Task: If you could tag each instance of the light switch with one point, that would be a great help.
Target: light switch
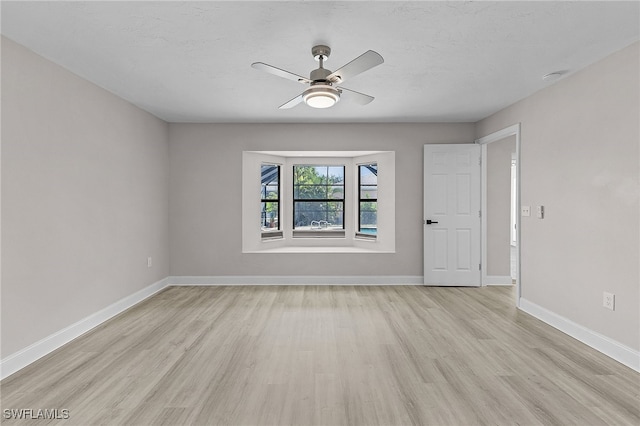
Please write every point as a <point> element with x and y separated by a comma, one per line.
<point>526,211</point>
<point>540,212</point>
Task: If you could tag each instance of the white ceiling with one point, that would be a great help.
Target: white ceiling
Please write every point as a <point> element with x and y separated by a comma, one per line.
<point>444,61</point>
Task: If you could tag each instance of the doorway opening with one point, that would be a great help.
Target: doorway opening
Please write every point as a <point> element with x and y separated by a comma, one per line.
<point>514,218</point>
<point>501,237</point>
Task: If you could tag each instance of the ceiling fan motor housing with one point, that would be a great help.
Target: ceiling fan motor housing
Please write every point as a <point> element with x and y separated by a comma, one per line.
<point>319,74</point>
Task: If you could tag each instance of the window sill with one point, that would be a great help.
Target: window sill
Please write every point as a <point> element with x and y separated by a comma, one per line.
<point>272,235</point>
<point>326,249</point>
<point>319,234</point>
<point>366,237</point>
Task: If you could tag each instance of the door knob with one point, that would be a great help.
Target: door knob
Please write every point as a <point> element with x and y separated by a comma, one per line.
<point>429,221</point>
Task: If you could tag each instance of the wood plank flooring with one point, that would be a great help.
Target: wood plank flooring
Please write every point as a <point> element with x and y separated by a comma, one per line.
<point>327,355</point>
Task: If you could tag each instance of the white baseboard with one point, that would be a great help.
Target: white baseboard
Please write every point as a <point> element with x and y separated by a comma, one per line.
<point>621,353</point>
<point>37,350</point>
<point>297,280</point>
<point>497,280</point>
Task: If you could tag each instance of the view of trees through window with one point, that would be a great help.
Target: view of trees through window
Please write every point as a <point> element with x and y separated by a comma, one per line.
<point>270,197</point>
<point>368,199</point>
<point>318,197</point>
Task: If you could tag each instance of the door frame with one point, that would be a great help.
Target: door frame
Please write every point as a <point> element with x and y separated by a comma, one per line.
<point>513,130</point>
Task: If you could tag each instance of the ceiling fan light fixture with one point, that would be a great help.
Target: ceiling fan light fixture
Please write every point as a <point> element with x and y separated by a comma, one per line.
<point>321,96</point>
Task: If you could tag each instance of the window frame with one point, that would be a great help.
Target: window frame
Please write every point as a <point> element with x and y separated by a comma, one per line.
<point>361,200</point>
<point>272,233</point>
<point>327,233</point>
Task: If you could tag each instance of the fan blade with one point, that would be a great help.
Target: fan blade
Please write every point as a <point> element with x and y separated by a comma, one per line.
<point>354,96</point>
<point>280,73</point>
<point>366,61</point>
<point>293,102</point>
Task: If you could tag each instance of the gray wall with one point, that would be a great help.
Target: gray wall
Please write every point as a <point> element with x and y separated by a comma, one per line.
<point>580,159</point>
<point>205,194</point>
<point>499,206</point>
<point>84,198</point>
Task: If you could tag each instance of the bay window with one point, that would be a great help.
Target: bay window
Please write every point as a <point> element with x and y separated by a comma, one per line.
<point>318,201</point>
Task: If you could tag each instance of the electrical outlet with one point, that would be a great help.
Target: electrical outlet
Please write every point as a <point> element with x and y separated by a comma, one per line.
<point>149,262</point>
<point>609,300</point>
<point>526,211</point>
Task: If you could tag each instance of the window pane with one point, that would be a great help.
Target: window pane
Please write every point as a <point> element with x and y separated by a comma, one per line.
<point>368,217</point>
<point>336,175</point>
<point>310,175</point>
<point>309,206</point>
<point>321,172</point>
<point>269,174</point>
<point>310,192</point>
<point>269,220</point>
<point>269,181</point>
<point>269,190</point>
<point>369,174</point>
<point>318,215</point>
<point>335,214</point>
<point>368,192</point>
<point>368,210</point>
<point>308,212</point>
<point>336,192</point>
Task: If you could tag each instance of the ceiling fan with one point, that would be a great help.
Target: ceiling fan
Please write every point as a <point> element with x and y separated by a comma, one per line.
<point>323,91</point>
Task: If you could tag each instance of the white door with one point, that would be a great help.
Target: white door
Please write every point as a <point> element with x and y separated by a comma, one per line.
<point>452,215</point>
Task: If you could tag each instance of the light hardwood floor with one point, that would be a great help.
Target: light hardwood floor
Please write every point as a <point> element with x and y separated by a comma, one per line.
<point>327,355</point>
